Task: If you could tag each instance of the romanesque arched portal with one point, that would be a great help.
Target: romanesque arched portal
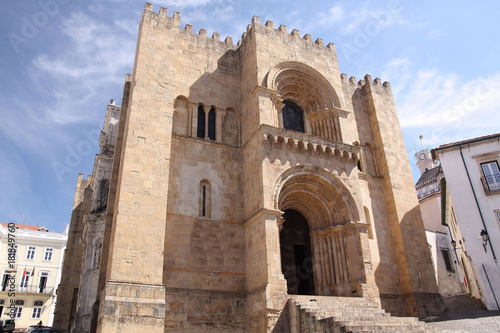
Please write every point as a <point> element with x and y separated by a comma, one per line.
<point>339,257</point>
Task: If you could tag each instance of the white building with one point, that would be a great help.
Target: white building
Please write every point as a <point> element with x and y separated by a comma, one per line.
<point>30,262</point>
<point>471,168</point>
<point>451,266</point>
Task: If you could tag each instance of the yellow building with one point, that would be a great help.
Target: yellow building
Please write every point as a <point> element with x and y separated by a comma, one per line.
<point>30,262</point>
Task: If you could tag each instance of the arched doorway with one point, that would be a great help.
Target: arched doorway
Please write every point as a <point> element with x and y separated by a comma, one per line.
<point>296,255</point>
<point>321,230</point>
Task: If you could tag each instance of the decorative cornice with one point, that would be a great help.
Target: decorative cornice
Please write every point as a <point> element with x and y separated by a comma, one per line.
<point>282,138</point>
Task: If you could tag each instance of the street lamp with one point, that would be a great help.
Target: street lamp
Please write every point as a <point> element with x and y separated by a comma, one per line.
<point>485,238</point>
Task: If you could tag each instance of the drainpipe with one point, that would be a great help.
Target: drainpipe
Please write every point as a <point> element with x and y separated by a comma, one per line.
<point>477,202</point>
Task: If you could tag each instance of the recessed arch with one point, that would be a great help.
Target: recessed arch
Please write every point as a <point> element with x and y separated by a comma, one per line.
<point>321,197</point>
<point>303,85</point>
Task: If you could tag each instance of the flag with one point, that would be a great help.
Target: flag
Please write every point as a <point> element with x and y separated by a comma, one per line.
<point>24,273</point>
<point>11,271</point>
<point>33,272</point>
<point>420,137</point>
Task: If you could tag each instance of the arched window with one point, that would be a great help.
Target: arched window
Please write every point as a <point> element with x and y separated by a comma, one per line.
<point>200,133</point>
<point>205,199</point>
<point>293,118</point>
<point>211,124</point>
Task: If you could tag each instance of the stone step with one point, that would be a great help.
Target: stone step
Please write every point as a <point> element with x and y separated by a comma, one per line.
<point>352,314</point>
<point>340,308</point>
<point>346,312</point>
<point>380,329</point>
<point>347,315</point>
<point>386,330</point>
<point>370,320</point>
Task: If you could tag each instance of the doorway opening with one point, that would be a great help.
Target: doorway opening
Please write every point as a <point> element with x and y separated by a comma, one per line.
<point>296,256</point>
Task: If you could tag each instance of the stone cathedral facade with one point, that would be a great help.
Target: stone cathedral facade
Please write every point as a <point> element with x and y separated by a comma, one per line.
<point>235,176</point>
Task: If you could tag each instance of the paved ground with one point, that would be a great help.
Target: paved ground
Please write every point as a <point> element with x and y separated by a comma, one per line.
<point>465,314</point>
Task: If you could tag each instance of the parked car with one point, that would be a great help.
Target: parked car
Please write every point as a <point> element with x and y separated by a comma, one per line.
<point>7,325</point>
<point>43,329</point>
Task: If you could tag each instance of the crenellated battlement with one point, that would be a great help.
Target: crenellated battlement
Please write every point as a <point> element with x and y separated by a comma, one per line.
<point>163,19</point>
<point>282,29</point>
<point>367,80</point>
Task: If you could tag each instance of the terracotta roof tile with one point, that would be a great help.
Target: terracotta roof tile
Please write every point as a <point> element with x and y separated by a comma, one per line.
<point>429,176</point>
<point>22,226</point>
<point>470,140</point>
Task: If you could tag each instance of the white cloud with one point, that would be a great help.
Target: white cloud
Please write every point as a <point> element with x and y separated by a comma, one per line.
<point>333,16</point>
<point>441,101</point>
<point>98,54</point>
<point>187,3</point>
<point>363,18</point>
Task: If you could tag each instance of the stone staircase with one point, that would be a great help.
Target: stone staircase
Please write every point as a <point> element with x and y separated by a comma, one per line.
<point>317,314</point>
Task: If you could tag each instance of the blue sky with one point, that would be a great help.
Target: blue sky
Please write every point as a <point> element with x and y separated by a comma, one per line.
<point>61,61</point>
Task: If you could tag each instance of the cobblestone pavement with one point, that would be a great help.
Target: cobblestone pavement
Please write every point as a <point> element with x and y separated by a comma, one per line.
<point>465,314</point>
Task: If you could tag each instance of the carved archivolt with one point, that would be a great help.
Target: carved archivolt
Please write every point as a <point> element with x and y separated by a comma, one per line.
<point>312,92</point>
<point>321,197</point>
<point>303,85</point>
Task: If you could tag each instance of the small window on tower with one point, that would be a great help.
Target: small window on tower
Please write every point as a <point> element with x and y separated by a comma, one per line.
<point>211,124</point>
<point>205,199</point>
<point>200,133</point>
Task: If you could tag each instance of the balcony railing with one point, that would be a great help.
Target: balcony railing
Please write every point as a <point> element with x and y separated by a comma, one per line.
<point>427,193</point>
<point>491,184</point>
<point>31,289</point>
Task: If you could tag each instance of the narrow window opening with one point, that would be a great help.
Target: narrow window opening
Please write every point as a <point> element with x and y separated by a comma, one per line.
<point>211,124</point>
<point>200,133</point>
<point>205,201</point>
<point>204,204</point>
<point>447,260</point>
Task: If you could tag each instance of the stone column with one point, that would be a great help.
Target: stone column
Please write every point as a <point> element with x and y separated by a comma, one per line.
<point>194,122</point>
<point>206,109</point>
<point>266,286</point>
<point>219,114</point>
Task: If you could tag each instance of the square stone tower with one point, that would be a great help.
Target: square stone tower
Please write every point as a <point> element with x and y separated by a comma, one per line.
<point>247,173</point>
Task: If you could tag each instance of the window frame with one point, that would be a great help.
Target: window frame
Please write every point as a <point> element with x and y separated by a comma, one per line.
<point>50,251</point>
<point>42,274</point>
<point>495,176</point>
<point>497,214</point>
<point>448,263</point>
<point>30,250</point>
<point>36,313</point>
<point>25,279</point>
<point>18,310</point>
